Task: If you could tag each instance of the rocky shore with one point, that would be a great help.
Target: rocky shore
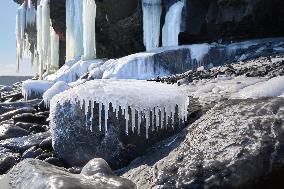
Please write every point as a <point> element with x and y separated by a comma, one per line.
<point>228,142</point>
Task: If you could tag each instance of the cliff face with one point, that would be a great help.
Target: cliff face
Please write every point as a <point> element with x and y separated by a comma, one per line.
<point>119,24</point>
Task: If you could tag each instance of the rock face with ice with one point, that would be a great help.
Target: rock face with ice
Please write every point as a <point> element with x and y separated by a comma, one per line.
<point>104,113</point>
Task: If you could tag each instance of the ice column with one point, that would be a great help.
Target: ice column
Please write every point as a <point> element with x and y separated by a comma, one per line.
<point>172,25</point>
<point>74,29</point>
<point>89,29</point>
<point>152,10</point>
<point>54,49</point>
<point>20,32</point>
<point>46,50</point>
<point>39,40</point>
<point>30,14</point>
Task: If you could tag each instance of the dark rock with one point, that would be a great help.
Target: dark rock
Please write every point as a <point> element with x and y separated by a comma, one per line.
<point>21,144</point>
<point>42,107</point>
<point>54,161</point>
<point>6,164</point>
<point>45,114</point>
<point>234,145</point>
<point>37,129</point>
<point>32,152</point>
<point>11,131</point>
<point>30,118</point>
<point>45,175</point>
<point>25,126</point>
<point>10,114</point>
<point>44,156</point>
<point>75,170</point>
<point>46,144</point>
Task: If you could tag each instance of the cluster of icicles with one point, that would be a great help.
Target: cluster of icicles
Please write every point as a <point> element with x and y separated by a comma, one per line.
<point>155,105</point>
<point>152,11</point>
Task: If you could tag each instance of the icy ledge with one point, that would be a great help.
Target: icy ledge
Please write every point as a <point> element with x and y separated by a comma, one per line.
<point>154,104</point>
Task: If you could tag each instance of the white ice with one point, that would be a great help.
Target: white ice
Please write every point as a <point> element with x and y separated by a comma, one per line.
<point>57,88</point>
<point>35,87</point>
<point>172,26</point>
<point>144,97</point>
<point>152,10</point>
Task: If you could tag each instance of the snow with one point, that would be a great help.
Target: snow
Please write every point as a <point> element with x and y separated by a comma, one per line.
<point>142,97</point>
<point>89,29</point>
<point>152,10</point>
<point>73,70</point>
<point>57,88</point>
<point>35,87</point>
<point>172,25</point>
<point>271,88</point>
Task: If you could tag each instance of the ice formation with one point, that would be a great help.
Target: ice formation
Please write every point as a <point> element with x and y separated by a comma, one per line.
<point>89,29</point>
<point>54,49</point>
<point>271,88</point>
<point>172,25</point>
<point>35,88</point>
<point>152,10</point>
<point>74,29</point>
<point>30,14</point>
<point>57,88</point>
<point>20,32</point>
<point>139,101</point>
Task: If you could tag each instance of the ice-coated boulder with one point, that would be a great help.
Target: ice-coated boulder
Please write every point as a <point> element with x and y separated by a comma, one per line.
<point>237,144</point>
<point>35,174</point>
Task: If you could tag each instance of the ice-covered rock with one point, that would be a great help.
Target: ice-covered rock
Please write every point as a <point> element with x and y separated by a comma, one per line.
<point>34,174</point>
<point>104,113</point>
<point>237,144</point>
<point>32,89</point>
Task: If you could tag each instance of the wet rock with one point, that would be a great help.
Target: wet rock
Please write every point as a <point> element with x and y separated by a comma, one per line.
<point>21,144</point>
<point>44,156</point>
<point>25,126</point>
<point>13,113</point>
<point>46,144</point>
<point>32,152</point>
<point>30,118</point>
<point>235,145</point>
<point>75,170</point>
<point>6,164</point>
<point>45,175</point>
<point>11,131</point>
<point>37,129</point>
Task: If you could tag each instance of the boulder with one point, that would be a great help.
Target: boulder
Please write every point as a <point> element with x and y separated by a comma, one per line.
<point>11,131</point>
<point>10,114</point>
<point>237,144</point>
<point>30,118</point>
<point>36,174</point>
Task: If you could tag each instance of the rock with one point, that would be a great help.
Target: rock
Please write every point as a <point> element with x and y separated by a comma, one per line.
<point>30,118</point>
<point>32,152</point>
<point>55,161</point>
<point>11,131</point>
<point>25,126</point>
<point>12,113</point>
<point>44,156</point>
<point>21,144</point>
<point>37,129</point>
<point>46,144</point>
<point>75,170</point>
<point>74,143</point>
<point>236,144</point>
<point>45,175</point>
<point>7,163</point>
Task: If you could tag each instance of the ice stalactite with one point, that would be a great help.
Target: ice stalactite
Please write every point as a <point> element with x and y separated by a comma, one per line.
<point>74,29</point>
<point>39,41</point>
<point>46,50</point>
<point>30,14</point>
<point>172,25</point>
<point>54,49</point>
<point>20,32</point>
<point>153,105</point>
<point>152,10</point>
<point>184,16</point>
<point>89,29</point>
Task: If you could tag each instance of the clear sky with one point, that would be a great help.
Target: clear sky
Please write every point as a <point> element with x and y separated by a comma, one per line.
<point>8,42</point>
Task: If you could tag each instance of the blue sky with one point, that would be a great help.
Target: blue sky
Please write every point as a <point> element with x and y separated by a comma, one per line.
<point>8,42</point>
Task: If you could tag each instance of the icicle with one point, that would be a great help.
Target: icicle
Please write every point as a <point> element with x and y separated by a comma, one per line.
<point>46,50</point>
<point>54,49</point>
<point>152,119</point>
<point>70,36</point>
<point>126,120</point>
<point>106,116</point>
<point>162,117</point>
<point>30,14</point>
<point>100,115</point>
<point>172,25</point>
<point>139,121</point>
<point>133,119</point>
<point>152,10</point>
<point>147,119</point>
<point>20,33</point>
<point>157,118</point>
<point>92,116</point>
<point>89,29</point>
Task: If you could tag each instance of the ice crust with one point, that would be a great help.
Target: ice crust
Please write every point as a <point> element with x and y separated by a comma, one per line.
<point>142,97</point>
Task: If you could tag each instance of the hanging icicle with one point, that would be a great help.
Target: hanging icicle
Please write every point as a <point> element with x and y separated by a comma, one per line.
<point>172,25</point>
<point>152,10</point>
<point>89,29</point>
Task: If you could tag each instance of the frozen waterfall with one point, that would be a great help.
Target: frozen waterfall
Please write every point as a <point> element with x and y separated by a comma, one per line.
<point>172,25</point>
<point>140,102</point>
<point>152,10</point>
<point>89,28</point>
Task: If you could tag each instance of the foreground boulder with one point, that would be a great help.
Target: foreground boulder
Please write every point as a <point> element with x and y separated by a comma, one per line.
<point>35,174</point>
<point>237,144</point>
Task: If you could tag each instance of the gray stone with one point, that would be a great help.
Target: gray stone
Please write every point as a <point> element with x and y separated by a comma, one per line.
<point>11,131</point>
<point>36,174</point>
<point>30,118</point>
<point>235,145</point>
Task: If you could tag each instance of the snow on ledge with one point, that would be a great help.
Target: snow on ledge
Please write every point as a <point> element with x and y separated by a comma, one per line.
<point>35,88</point>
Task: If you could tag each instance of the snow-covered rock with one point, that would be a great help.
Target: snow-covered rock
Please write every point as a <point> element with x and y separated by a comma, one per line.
<point>57,88</point>
<point>235,145</point>
<point>32,89</point>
